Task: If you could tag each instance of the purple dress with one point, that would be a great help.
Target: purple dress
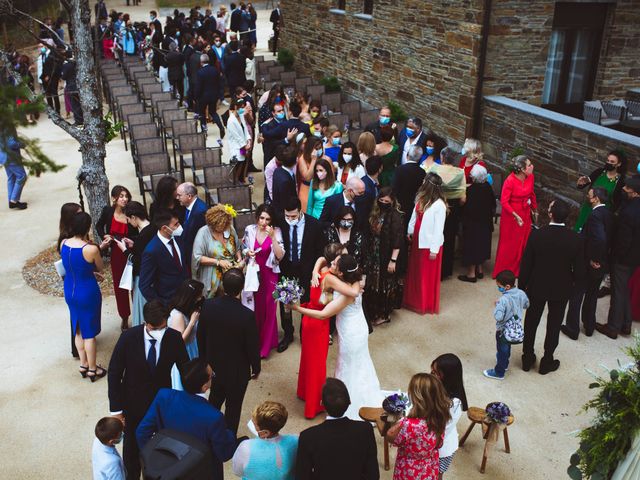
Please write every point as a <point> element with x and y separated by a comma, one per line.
<point>265,305</point>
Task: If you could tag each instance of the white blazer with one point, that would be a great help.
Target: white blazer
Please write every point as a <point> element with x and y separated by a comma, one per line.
<point>249,241</point>
<point>237,136</point>
<point>431,234</point>
<point>358,172</point>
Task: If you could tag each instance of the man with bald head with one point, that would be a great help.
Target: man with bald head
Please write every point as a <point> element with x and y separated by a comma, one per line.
<point>193,218</point>
<point>354,196</point>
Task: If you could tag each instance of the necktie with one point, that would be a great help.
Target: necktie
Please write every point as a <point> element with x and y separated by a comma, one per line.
<point>174,252</point>
<point>186,216</point>
<point>151,356</point>
<point>294,246</point>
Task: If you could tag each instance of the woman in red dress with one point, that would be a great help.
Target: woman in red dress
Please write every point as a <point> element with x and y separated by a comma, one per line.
<point>315,341</point>
<point>426,234</point>
<point>420,434</point>
<point>519,205</point>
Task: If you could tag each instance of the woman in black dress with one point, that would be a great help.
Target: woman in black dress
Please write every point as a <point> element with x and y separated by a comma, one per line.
<point>477,224</point>
<point>166,197</point>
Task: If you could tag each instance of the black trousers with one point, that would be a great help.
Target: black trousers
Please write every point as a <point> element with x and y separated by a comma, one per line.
<point>51,94</point>
<point>620,308</point>
<point>286,318</point>
<point>229,392</point>
<point>585,300</point>
<point>76,108</point>
<point>451,225</point>
<point>554,321</point>
<point>130,450</point>
<point>212,105</point>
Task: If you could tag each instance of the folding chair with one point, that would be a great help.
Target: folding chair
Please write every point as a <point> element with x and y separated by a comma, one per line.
<point>301,84</point>
<point>288,79</point>
<point>239,196</point>
<point>179,127</point>
<point>157,98</point>
<point>146,146</point>
<point>125,111</point>
<point>315,91</point>
<point>202,158</point>
<point>149,88</point>
<point>242,221</point>
<point>159,176</point>
<point>275,72</point>
<point>151,164</point>
<point>352,109</point>
<point>340,120</point>
<point>263,67</point>
<point>333,101</point>
<point>160,107</point>
<point>185,144</point>
<point>122,100</point>
<point>370,116</point>
<point>143,130</point>
<point>167,118</point>
<point>215,177</point>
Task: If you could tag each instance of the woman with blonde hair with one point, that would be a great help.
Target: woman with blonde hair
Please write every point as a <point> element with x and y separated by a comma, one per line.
<point>426,234</point>
<point>216,249</point>
<point>420,434</point>
<point>366,146</point>
<point>471,155</point>
<point>271,456</point>
<point>334,142</point>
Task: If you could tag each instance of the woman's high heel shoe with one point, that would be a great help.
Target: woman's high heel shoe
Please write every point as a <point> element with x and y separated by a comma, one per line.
<point>96,375</point>
<point>83,370</point>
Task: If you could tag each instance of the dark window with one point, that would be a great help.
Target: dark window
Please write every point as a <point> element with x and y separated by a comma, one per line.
<point>342,4</point>
<point>368,7</point>
<point>573,56</point>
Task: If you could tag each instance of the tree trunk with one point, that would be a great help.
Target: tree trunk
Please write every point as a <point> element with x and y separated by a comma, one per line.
<point>92,172</point>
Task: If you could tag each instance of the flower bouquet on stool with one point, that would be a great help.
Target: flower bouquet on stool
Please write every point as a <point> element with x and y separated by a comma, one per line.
<point>497,418</point>
<point>395,407</point>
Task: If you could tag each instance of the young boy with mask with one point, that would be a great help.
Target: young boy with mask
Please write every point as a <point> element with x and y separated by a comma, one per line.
<point>106,461</point>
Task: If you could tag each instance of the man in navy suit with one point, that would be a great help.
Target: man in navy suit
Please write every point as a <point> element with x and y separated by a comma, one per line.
<point>207,93</point>
<point>407,180</point>
<point>164,264</point>
<point>596,234</point>
<point>191,413</point>
<point>371,185</point>
<point>141,365</point>
<point>234,67</point>
<point>409,136</point>
<point>384,120</point>
<point>269,145</point>
<point>193,217</point>
<point>292,125</point>
<point>284,179</point>
<point>354,196</point>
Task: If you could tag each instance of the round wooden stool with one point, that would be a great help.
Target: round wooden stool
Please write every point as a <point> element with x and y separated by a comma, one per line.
<point>479,416</point>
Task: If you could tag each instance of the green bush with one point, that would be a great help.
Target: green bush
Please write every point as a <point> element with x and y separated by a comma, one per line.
<point>331,84</point>
<point>286,58</point>
<point>398,114</point>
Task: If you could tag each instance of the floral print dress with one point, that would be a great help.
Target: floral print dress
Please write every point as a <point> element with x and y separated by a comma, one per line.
<point>417,451</point>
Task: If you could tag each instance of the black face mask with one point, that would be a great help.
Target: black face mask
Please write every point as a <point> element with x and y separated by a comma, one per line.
<point>384,206</point>
<point>609,167</point>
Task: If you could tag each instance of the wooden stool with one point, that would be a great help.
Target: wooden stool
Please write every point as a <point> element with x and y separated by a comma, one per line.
<point>374,414</point>
<point>478,415</point>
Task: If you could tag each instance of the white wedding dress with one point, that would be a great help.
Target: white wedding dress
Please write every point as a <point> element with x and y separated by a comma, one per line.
<point>354,365</point>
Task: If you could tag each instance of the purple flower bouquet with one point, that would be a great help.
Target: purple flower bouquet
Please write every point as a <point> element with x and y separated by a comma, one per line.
<point>395,406</point>
<point>288,291</point>
<point>498,412</point>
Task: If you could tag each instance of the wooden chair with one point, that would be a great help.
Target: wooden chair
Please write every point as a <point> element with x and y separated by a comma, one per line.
<point>478,416</point>
<point>374,415</point>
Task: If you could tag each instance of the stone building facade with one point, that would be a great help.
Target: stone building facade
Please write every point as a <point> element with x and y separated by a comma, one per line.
<point>440,59</point>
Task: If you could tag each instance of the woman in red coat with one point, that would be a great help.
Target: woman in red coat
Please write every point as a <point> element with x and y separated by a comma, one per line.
<point>519,205</point>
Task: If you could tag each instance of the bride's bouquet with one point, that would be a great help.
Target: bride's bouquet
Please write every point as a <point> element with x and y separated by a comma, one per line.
<point>395,406</point>
<point>288,291</point>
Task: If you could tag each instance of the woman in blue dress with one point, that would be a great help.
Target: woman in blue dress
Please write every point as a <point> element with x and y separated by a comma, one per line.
<point>81,260</point>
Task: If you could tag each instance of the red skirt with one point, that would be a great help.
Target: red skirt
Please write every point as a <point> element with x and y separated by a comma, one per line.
<point>313,364</point>
<point>422,284</point>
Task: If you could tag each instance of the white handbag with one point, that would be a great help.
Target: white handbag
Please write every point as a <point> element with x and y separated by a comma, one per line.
<point>252,279</point>
<point>126,281</point>
<point>60,268</point>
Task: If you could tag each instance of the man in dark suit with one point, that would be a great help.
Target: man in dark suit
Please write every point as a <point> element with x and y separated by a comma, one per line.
<point>409,136</point>
<point>276,22</point>
<point>596,235</point>
<point>552,264</point>
<point>384,119</point>
<point>236,18</point>
<point>270,142</point>
<point>189,412</point>
<point>140,366</point>
<point>234,67</point>
<point>292,125</point>
<point>284,179</point>
<point>207,93</point>
<point>303,244</point>
<point>164,264</point>
<point>354,196</point>
<point>407,180</point>
<point>625,254</point>
<point>195,210</point>
<point>338,448</point>
<point>228,340</point>
<point>371,185</point>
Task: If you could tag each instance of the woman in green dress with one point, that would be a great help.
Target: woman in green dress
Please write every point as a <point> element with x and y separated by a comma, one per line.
<point>611,178</point>
<point>389,153</point>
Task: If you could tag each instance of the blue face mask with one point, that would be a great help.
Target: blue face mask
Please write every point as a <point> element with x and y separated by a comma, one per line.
<point>280,116</point>
<point>410,132</point>
<point>502,289</point>
<point>335,141</point>
<point>384,120</point>
<point>430,150</point>
<point>241,111</point>
<point>463,151</point>
<point>638,168</point>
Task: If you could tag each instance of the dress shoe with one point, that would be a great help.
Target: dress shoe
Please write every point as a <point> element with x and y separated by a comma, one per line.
<point>527,362</point>
<point>284,344</point>
<point>606,330</point>
<point>18,205</point>
<point>625,331</point>
<point>588,332</point>
<point>254,169</point>
<point>603,292</point>
<point>464,278</point>
<point>548,367</point>
<point>568,332</point>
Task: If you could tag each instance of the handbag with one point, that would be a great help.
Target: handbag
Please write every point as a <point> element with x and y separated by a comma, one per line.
<point>513,332</point>
<point>252,279</point>
<point>60,268</point>
<point>126,281</point>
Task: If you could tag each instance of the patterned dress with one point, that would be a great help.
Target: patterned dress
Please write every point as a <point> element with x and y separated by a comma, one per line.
<point>417,451</point>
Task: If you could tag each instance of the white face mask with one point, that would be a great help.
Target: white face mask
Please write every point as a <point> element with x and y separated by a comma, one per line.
<point>177,232</point>
<point>347,158</point>
<point>292,223</point>
<point>321,175</point>
<point>157,334</point>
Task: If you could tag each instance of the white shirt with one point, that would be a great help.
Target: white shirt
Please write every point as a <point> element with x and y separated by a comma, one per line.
<point>450,442</point>
<point>300,232</point>
<point>407,145</point>
<point>167,243</point>
<point>431,234</point>
<point>347,202</point>
<point>106,461</point>
<point>147,343</point>
<point>193,202</point>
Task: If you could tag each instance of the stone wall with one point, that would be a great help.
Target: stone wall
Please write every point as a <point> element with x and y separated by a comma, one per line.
<point>560,147</point>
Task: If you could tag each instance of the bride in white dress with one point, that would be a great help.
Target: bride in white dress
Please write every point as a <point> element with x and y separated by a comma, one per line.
<point>354,365</point>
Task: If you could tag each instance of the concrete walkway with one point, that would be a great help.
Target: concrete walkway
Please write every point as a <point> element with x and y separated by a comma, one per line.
<point>48,412</point>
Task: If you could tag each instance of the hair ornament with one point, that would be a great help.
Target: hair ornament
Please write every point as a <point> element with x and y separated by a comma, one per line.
<point>230,210</point>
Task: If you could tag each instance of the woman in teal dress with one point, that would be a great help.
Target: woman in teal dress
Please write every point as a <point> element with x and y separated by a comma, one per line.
<point>389,153</point>
<point>323,185</point>
<point>611,178</point>
<point>271,456</point>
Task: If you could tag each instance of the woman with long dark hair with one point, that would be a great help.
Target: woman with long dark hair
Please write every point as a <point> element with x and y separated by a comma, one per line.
<point>343,231</point>
<point>166,197</point>
<point>323,185</point>
<point>81,259</point>
<point>349,164</point>
<point>185,312</point>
